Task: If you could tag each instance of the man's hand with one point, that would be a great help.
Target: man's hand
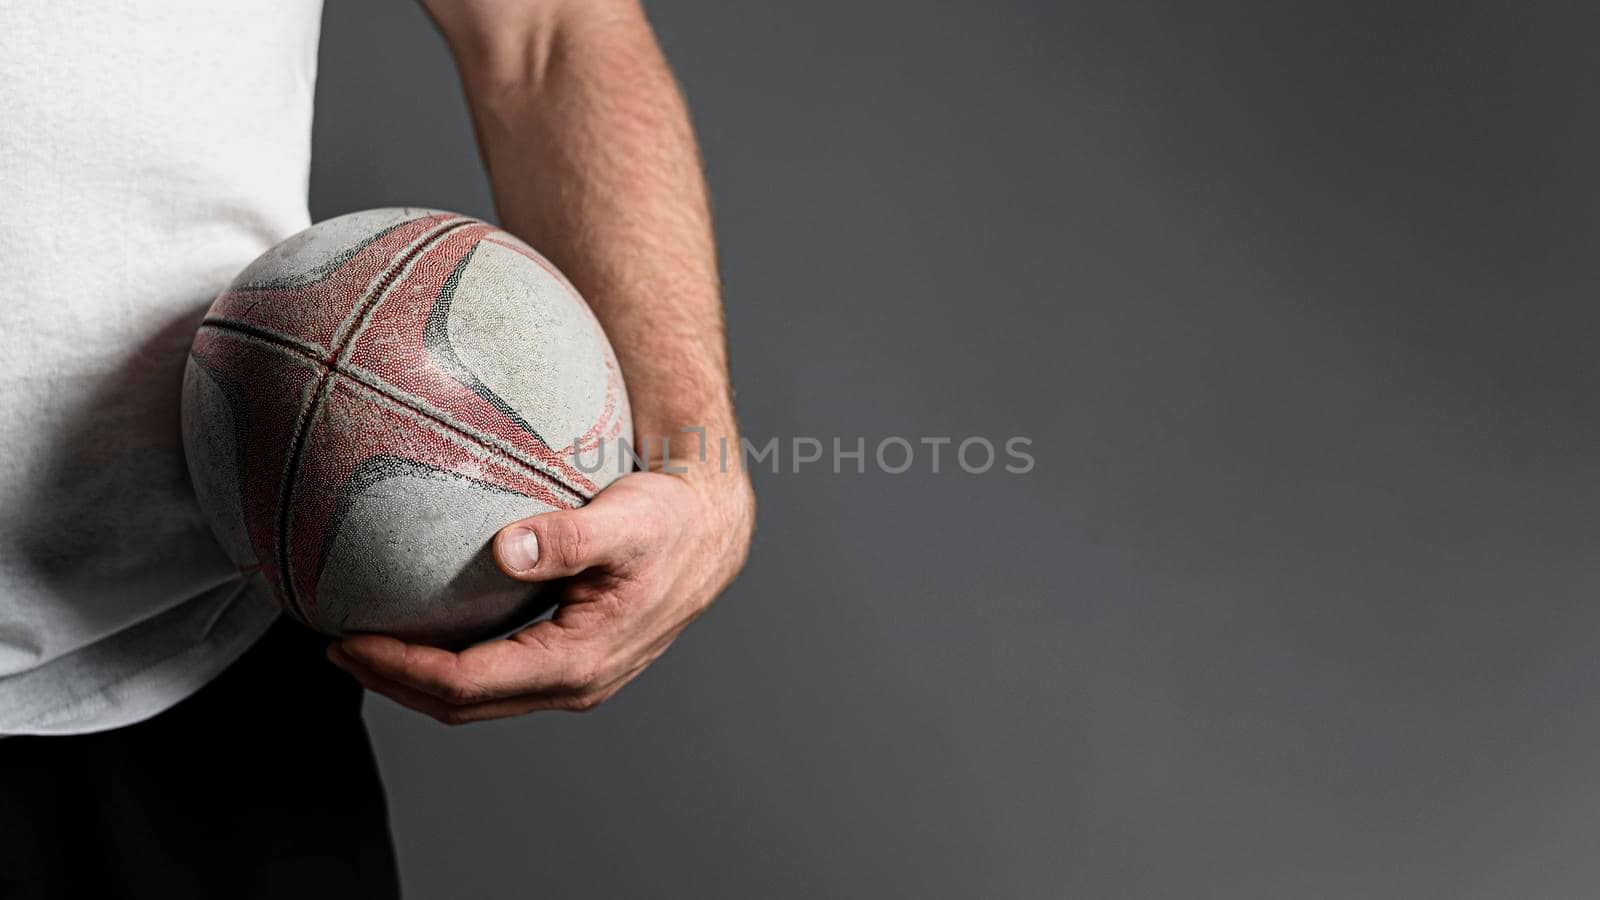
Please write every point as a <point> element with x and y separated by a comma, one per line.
<point>591,158</point>
<point>633,568</point>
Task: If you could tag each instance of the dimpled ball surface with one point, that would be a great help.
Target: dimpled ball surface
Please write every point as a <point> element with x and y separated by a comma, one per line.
<point>373,398</point>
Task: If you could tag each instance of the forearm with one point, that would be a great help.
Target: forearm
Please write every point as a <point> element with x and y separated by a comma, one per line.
<point>592,160</point>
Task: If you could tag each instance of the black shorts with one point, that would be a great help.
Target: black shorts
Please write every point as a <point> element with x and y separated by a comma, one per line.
<point>263,784</point>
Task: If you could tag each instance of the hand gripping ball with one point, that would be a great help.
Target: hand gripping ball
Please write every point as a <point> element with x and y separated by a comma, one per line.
<point>373,398</point>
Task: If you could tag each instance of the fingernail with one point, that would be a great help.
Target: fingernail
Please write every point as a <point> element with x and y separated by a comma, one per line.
<point>520,550</point>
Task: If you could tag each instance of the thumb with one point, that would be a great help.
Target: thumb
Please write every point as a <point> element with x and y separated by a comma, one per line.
<point>566,542</point>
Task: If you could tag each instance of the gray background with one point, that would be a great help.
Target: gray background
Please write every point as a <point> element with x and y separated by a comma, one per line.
<point>1296,301</point>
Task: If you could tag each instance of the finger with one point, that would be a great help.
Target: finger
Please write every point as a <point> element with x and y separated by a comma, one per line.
<point>454,714</point>
<point>430,670</point>
<point>542,657</point>
<point>614,527</point>
<point>404,695</point>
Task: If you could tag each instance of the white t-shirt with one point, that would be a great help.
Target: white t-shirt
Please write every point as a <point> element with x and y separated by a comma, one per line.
<point>148,151</point>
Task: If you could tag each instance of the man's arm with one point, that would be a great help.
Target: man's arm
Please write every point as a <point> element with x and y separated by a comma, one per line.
<point>592,160</point>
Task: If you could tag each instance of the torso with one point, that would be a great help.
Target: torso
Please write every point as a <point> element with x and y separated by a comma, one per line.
<point>147,152</point>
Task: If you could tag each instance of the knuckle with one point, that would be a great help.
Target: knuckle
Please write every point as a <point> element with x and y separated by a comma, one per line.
<point>580,677</point>
<point>538,637</point>
<point>460,691</point>
<point>582,703</point>
<point>570,540</point>
<point>453,717</point>
<point>607,605</point>
<point>571,681</point>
